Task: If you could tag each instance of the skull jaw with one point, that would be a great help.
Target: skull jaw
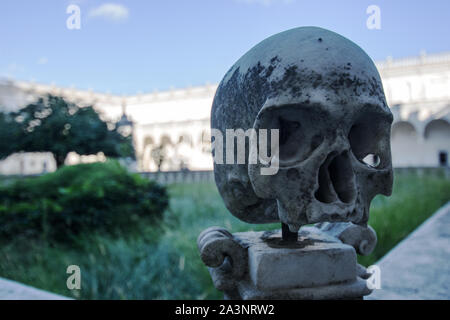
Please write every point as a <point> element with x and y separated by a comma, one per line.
<point>301,208</point>
<point>296,199</point>
<point>296,214</point>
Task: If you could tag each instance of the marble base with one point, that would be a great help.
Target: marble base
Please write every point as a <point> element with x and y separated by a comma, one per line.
<point>260,265</point>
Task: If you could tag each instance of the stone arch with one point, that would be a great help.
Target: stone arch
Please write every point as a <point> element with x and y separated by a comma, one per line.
<point>165,140</point>
<point>437,140</point>
<point>404,130</point>
<point>438,128</point>
<point>404,144</point>
<point>148,145</point>
<point>185,138</point>
<point>148,140</point>
<point>163,153</point>
<point>205,140</point>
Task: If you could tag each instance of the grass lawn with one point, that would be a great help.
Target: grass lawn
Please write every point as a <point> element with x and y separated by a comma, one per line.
<point>161,262</point>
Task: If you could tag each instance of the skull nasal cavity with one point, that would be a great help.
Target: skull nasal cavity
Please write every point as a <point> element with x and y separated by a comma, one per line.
<point>336,179</point>
<point>342,177</point>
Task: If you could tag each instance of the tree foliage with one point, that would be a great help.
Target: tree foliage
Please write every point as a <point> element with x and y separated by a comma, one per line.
<point>54,125</point>
<point>95,197</point>
<point>9,135</point>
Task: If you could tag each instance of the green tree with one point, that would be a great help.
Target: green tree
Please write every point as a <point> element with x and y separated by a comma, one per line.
<point>54,125</point>
<point>9,135</point>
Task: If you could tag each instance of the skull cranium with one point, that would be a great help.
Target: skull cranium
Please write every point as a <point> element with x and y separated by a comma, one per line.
<point>325,96</point>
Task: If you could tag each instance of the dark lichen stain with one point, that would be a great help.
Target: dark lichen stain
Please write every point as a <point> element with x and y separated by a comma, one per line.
<point>249,89</point>
<point>317,81</point>
<point>269,71</point>
<point>320,39</point>
<point>274,60</point>
<point>255,83</point>
<point>280,243</point>
<point>275,241</point>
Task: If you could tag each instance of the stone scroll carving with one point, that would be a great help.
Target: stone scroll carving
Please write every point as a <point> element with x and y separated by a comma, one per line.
<point>225,256</point>
<point>363,239</point>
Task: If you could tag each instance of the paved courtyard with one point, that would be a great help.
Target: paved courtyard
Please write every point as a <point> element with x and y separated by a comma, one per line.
<point>419,266</point>
<point>11,290</point>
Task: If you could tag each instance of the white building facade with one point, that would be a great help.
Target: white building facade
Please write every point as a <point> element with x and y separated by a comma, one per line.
<point>417,89</point>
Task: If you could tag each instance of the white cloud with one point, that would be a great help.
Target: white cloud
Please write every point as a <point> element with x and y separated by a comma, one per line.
<point>266,3</point>
<point>42,60</point>
<point>110,11</point>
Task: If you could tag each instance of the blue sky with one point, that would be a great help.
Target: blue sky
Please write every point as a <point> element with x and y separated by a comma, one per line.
<point>140,46</point>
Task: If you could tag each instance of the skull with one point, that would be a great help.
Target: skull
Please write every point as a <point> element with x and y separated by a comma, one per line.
<point>324,95</point>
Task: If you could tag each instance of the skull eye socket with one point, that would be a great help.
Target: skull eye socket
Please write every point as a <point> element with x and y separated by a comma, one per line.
<point>297,140</point>
<point>289,130</point>
<point>368,142</point>
<point>372,160</point>
<point>298,136</point>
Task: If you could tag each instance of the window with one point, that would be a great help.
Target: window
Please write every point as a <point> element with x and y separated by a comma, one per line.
<point>443,158</point>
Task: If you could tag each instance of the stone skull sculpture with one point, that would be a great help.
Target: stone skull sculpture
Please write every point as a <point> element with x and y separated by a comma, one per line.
<point>324,95</point>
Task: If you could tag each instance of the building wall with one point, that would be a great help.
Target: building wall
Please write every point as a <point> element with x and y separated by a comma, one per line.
<point>417,89</point>
<point>415,148</point>
<point>28,163</point>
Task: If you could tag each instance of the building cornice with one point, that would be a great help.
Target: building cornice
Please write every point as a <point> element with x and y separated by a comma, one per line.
<point>172,123</point>
<point>387,68</point>
<point>414,65</point>
<point>91,97</point>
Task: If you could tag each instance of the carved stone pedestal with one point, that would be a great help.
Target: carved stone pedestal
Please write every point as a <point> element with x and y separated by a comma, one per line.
<point>322,100</point>
<point>260,265</point>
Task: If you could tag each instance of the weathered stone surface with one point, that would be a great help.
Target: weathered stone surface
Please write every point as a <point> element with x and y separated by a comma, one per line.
<point>363,239</point>
<point>324,95</point>
<point>218,249</point>
<point>318,266</point>
<point>355,289</point>
<point>274,264</point>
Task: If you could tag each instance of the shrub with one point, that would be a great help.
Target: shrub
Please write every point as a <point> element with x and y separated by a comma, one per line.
<point>102,197</point>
